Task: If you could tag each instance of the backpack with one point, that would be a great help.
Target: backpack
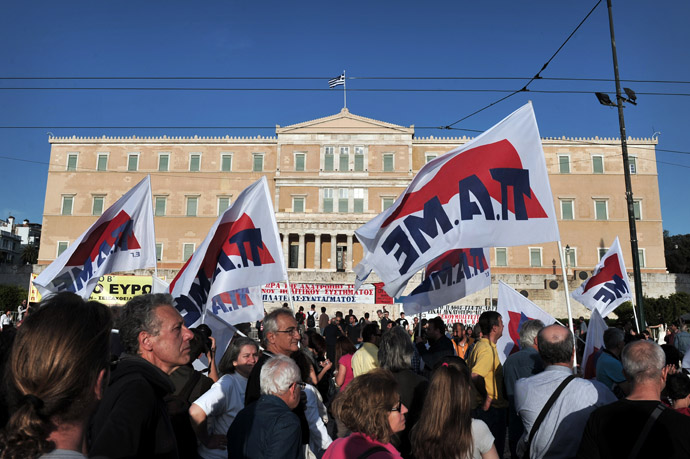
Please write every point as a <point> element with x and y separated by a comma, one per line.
<point>311,321</point>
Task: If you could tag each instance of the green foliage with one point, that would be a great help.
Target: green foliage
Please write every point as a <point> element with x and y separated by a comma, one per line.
<point>11,296</point>
<point>677,252</point>
<point>665,310</point>
<point>30,255</point>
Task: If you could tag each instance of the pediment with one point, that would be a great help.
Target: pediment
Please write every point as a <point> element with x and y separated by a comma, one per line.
<point>344,123</point>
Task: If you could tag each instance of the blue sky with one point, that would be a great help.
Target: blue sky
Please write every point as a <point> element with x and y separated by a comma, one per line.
<point>318,40</point>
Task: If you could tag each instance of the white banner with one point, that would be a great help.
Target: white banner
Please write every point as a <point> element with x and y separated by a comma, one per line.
<point>319,293</point>
<point>595,342</point>
<point>608,288</point>
<point>122,239</point>
<point>492,191</point>
<point>515,310</point>
<point>241,250</point>
<point>452,314</point>
<point>454,275</point>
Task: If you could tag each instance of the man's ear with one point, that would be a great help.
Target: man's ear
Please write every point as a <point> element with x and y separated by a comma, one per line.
<point>101,383</point>
<point>145,341</point>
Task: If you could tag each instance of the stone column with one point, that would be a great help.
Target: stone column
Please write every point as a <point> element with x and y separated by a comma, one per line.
<point>286,247</point>
<point>317,251</point>
<point>302,252</point>
<point>333,242</point>
<point>348,263</point>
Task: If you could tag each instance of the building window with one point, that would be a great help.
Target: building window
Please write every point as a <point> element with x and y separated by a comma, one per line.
<point>386,203</point>
<point>567,209</point>
<point>133,162</point>
<point>187,251</point>
<point>293,256</point>
<point>429,157</point>
<point>161,202</point>
<point>632,162</point>
<point>388,162</point>
<point>601,251</point>
<point>97,207</point>
<point>358,200</point>
<point>564,164</point>
<point>61,247</point>
<point>226,163</point>
<point>67,202</point>
<point>501,256</point>
<point>194,162</point>
<point>163,162</point>
<point>328,159</point>
<point>258,165</point>
<point>640,256</point>
<point>159,251</point>
<point>637,209</point>
<point>601,209</point>
<point>359,159</point>
<point>343,198</point>
<point>102,163</point>
<point>72,160</point>
<point>344,159</point>
<point>535,257</point>
<point>328,200</point>
<point>192,202</point>
<point>597,164</point>
<point>298,204</point>
<point>223,204</point>
<point>299,162</point>
<point>570,257</point>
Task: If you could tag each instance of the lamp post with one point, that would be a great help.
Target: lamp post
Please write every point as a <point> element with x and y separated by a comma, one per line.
<point>567,258</point>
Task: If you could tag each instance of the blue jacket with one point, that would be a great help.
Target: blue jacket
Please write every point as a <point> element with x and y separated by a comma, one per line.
<point>265,429</point>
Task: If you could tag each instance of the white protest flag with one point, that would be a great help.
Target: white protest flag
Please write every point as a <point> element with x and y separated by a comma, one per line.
<point>241,250</point>
<point>454,275</point>
<point>492,191</point>
<point>595,342</point>
<point>122,239</point>
<point>515,310</point>
<point>608,287</point>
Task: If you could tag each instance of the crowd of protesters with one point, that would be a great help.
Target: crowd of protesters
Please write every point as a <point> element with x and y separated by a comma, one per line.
<point>78,382</point>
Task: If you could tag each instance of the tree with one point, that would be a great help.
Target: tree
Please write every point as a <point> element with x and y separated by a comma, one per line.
<point>30,254</point>
<point>11,296</point>
<point>666,310</point>
<point>677,252</point>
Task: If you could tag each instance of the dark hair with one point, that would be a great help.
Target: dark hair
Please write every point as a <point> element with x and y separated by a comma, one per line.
<point>613,337</point>
<point>487,321</point>
<point>304,364</point>
<point>318,343</point>
<point>343,346</point>
<point>369,331</point>
<point>677,386</point>
<point>672,355</point>
<point>366,402</point>
<point>438,324</point>
<point>323,308</point>
<point>395,350</point>
<point>231,354</point>
<point>58,354</point>
<point>138,316</point>
<point>366,315</point>
<point>553,352</point>
<point>444,428</point>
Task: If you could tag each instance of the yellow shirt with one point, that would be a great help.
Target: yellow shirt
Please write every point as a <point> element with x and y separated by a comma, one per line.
<point>483,360</point>
<point>365,359</point>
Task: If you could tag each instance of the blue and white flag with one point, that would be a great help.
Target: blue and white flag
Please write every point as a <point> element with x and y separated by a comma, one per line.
<point>337,81</point>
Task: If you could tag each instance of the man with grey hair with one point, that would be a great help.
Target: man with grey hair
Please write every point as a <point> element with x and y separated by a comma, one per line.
<point>522,364</point>
<point>269,428</point>
<point>558,436</point>
<point>639,425</point>
<point>609,367</point>
<point>132,419</point>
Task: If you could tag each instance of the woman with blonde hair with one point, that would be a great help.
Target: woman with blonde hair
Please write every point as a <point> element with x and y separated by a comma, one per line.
<point>59,368</point>
<point>371,408</point>
<point>446,428</point>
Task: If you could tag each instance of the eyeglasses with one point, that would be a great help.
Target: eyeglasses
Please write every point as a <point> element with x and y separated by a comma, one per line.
<point>301,385</point>
<point>290,331</point>
<point>398,407</point>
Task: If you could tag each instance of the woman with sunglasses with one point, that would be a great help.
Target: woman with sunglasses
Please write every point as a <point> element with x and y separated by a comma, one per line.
<point>370,407</point>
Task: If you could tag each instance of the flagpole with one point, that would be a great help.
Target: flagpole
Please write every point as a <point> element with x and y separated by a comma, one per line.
<point>344,91</point>
<point>567,299</point>
<point>637,324</point>
<point>289,289</point>
<point>155,266</point>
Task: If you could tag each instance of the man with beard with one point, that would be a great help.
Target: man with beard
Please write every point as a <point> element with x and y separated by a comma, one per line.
<point>461,342</point>
<point>439,344</point>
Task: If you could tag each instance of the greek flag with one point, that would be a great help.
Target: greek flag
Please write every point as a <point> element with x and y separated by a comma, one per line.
<point>337,81</point>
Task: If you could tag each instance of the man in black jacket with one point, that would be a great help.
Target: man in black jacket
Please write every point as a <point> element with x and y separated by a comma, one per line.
<point>132,420</point>
<point>439,344</point>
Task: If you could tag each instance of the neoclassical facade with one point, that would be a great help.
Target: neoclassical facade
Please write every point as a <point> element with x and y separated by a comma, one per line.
<point>329,176</point>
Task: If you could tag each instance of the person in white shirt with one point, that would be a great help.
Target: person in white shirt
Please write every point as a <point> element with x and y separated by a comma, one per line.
<point>6,320</point>
<point>213,413</point>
